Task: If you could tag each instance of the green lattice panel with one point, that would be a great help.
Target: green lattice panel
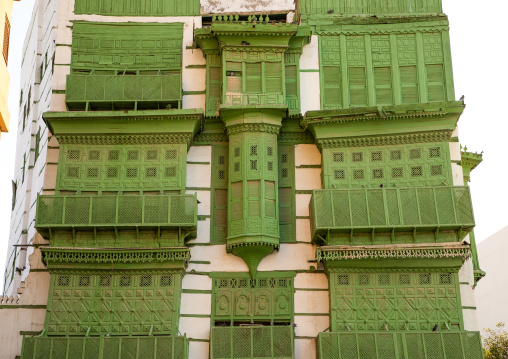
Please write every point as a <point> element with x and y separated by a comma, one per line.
<point>394,301</point>
<point>173,347</point>
<point>121,167</point>
<point>136,8</point>
<point>402,165</point>
<point>252,342</point>
<point>400,209</point>
<point>351,7</point>
<point>286,154</point>
<point>244,299</point>
<point>401,345</point>
<point>119,304</point>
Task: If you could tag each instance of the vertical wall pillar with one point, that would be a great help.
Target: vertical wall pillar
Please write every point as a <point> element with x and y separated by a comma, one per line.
<point>253,214</point>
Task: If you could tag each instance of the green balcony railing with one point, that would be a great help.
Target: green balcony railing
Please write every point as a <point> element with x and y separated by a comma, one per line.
<point>400,345</point>
<point>83,89</point>
<point>252,342</point>
<point>158,347</point>
<point>121,211</point>
<point>446,208</point>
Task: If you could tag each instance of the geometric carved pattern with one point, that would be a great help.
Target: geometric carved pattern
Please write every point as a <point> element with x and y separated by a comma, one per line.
<point>242,299</point>
<point>394,301</point>
<point>119,304</point>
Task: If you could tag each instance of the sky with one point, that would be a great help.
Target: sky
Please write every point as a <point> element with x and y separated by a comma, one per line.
<point>480,73</point>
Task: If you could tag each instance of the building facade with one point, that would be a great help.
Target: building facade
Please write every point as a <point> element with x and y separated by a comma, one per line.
<point>240,180</point>
<point>5,32</point>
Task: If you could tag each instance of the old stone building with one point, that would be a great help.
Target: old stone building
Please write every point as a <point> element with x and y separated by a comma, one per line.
<point>240,179</point>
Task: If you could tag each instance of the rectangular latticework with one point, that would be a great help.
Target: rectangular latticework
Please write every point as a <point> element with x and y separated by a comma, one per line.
<point>252,342</point>
<point>400,345</point>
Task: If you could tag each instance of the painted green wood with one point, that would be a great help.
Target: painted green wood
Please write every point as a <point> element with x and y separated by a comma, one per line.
<point>137,8</point>
<point>213,84</point>
<point>431,209</point>
<point>219,219</point>
<point>126,167</point>
<point>353,7</point>
<point>400,345</point>
<point>127,65</point>
<point>108,302</point>
<point>415,165</point>
<point>292,81</point>
<point>80,212</point>
<point>252,342</point>
<point>394,300</point>
<point>287,206</point>
<point>359,70</point>
<point>136,347</point>
<point>238,298</point>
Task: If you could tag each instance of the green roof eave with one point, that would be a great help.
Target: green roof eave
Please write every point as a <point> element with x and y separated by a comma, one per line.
<point>81,123</point>
<point>383,121</point>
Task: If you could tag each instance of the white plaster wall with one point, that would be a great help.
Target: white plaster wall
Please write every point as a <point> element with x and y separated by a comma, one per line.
<point>204,201</point>
<point>492,290</point>
<point>302,204</point>
<point>309,60</point>
<point>307,178</point>
<point>311,280</point>
<point>193,281</point>
<point>294,256</point>
<point>203,235</point>
<point>310,326</point>
<point>303,230</point>
<point>458,176</point>
<point>307,154</point>
<point>245,6</point>
<point>310,92</point>
<point>16,320</point>
<point>312,301</point>
<point>196,303</point>
<point>195,328</point>
<point>198,349</point>
<point>198,176</point>
<point>305,348</point>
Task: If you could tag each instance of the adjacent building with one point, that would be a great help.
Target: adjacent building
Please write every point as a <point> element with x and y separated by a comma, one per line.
<point>223,179</point>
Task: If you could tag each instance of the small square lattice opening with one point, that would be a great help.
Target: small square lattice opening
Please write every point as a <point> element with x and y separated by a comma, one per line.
<point>436,170</point>
<point>415,153</point>
<point>151,172</point>
<point>445,278</point>
<point>125,281</point>
<point>254,150</point>
<point>73,172</point>
<point>395,155</point>
<point>237,166</point>
<point>339,174</point>
<point>132,155</point>
<point>223,283</point>
<point>416,171</point>
<point>131,172</point>
<point>105,281</point>
<point>269,151</point>
<point>338,157</point>
<point>358,174</point>
<point>404,279</point>
<point>342,279</point>
<point>377,173</point>
<point>113,155</point>
<point>364,279</point>
<point>222,160</point>
<point>424,278</point>
<point>435,152</point>
<point>63,281</point>
<point>254,165</point>
<point>284,172</point>
<point>73,154</point>
<point>357,157</point>
<point>92,172</point>
<point>165,281</point>
<point>397,172</point>
<point>145,281</point>
<point>171,154</point>
<point>94,155</point>
<point>243,283</point>
<point>284,158</point>
<point>84,281</point>
<point>269,166</point>
<point>112,172</point>
<point>282,283</point>
<point>171,172</point>
<point>222,174</point>
<point>151,155</point>
<point>263,283</point>
<point>376,156</point>
<point>383,279</point>
<point>237,152</point>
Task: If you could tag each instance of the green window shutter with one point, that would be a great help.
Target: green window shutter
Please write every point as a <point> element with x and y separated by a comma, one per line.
<point>273,77</point>
<point>253,78</point>
<point>219,220</point>
<point>291,81</point>
<point>332,87</point>
<point>357,86</point>
<point>435,82</point>
<point>287,221</point>
<point>383,83</point>
<point>234,76</point>
<point>409,84</point>
<point>214,77</point>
